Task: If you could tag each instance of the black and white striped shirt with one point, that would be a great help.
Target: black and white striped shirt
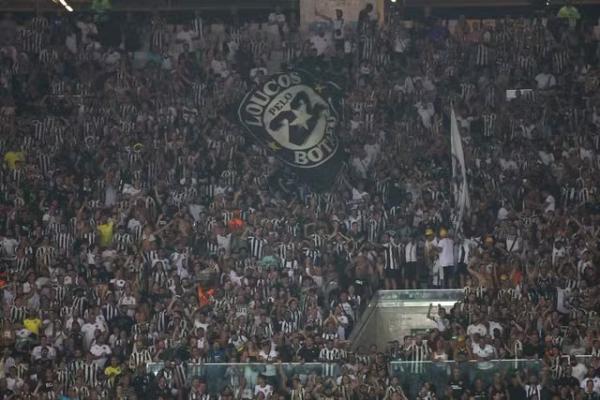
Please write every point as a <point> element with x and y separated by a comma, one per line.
<point>255,246</point>
<point>30,41</point>
<point>17,314</point>
<point>110,311</point>
<point>416,354</point>
<point>329,355</point>
<point>533,392</point>
<point>180,376</point>
<point>199,396</point>
<point>124,241</point>
<point>489,124</point>
<point>367,45</point>
<point>285,249</point>
<point>258,47</point>
<point>373,229</point>
<point>74,367</point>
<point>298,394</point>
<point>482,55</point>
<point>198,26</point>
<point>466,90</point>
<point>560,60</point>
<point>313,254</point>
<point>90,373</point>
<point>141,357</point>
<point>391,254</point>
<point>46,255</point>
<point>64,242</point>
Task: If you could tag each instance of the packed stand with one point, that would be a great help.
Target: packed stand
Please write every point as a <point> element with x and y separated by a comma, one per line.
<point>139,225</point>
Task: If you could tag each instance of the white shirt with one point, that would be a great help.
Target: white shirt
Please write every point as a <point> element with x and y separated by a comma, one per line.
<point>596,381</point>
<point>224,242</point>
<point>198,324</point>
<point>128,301</point>
<point>447,253</point>
<point>502,214</point>
<point>102,351</point>
<point>486,351</point>
<point>86,29</point>
<point>14,383</point>
<point>545,81</point>
<point>409,85</point>
<point>266,390</point>
<point>549,204</point>
<point>268,357</point>
<point>338,28</point>
<point>69,322</point>
<point>586,153</point>
<point>400,44</point>
<point>88,330</point>
<point>579,371</point>
<point>562,296</point>
<point>347,47</point>
<point>372,150</point>
<point>133,224</point>
<point>357,196</point>
<point>495,325</point>
<point>361,166</point>
<point>441,323</point>
<point>186,37</point>
<point>220,68</point>
<point>36,353</point>
<point>479,328</point>
<point>410,252</point>
<point>507,164</point>
<point>276,18</point>
<point>112,58</point>
<point>8,246</point>
<point>425,111</point>
<point>465,248</point>
<point>547,158</point>
<point>239,342</point>
<point>71,43</point>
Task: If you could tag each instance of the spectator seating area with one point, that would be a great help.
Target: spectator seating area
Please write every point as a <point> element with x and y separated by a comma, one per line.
<point>149,249</point>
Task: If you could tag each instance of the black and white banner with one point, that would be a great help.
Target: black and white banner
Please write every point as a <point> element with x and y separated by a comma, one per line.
<point>297,118</point>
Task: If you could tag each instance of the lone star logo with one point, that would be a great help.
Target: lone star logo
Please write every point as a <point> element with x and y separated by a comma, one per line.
<point>298,119</point>
<point>302,117</point>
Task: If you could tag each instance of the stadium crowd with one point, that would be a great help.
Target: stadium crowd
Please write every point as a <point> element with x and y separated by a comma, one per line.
<point>138,223</point>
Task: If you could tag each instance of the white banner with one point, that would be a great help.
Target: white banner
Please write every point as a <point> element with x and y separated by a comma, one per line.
<point>462,203</point>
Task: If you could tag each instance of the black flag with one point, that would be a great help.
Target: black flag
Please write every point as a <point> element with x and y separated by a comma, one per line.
<point>297,118</point>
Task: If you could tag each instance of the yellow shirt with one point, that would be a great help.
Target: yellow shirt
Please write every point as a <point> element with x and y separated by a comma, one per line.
<point>33,325</point>
<point>12,157</point>
<point>106,233</point>
<point>111,371</point>
<point>569,12</point>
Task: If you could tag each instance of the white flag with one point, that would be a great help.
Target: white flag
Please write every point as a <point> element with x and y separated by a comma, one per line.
<point>460,187</point>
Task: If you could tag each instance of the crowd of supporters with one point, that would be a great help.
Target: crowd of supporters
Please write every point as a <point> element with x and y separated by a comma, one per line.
<point>139,224</point>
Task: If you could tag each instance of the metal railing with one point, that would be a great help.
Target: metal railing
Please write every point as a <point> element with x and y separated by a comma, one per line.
<point>411,375</point>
